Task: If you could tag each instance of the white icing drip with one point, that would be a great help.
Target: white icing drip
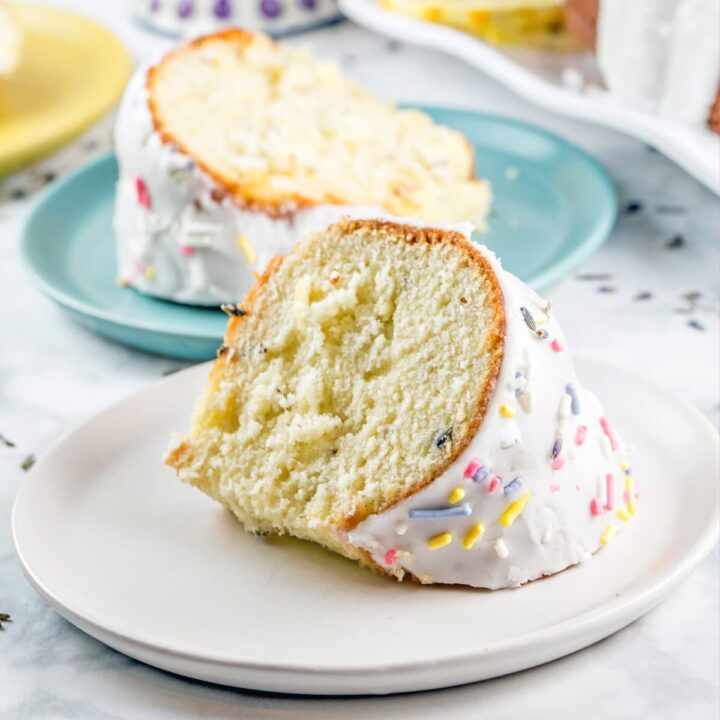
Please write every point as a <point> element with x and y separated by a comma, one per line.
<point>555,528</point>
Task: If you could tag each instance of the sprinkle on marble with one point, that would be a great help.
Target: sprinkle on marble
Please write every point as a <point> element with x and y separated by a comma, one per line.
<point>481,473</point>
<point>472,536</point>
<point>507,411</point>
<point>623,514</point>
<point>472,468</point>
<point>625,466</point>
<point>596,507</point>
<point>609,492</point>
<point>390,556</point>
<point>187,250</point>
<point>437,541</point>
<point>608,534</point>
<point>401,527</point>
<point>456,496</point>
<point>580,434</point>
<point>556,345</point>
<point>574,399</point>
<point>501,549</point>
<point>605,425</point>
<point>494,484</point>
<point>142,193</point>
<point>246,248</point>
<point>556,448</point>
<point>557,463</point>
<point>513,486</point>
<point>439,513</point>
<point>513,510</point>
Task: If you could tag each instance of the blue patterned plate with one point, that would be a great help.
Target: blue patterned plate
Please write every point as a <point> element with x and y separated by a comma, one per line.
<point>553,206</point>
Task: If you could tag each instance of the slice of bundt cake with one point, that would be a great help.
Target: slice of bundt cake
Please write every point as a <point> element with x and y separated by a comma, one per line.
<point>233,147</point>
<point>388,391</point>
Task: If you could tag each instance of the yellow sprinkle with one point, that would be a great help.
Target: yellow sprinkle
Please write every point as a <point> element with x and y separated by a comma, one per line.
<point>150,272</point>
<point>514,509</point>
<point>623,514</point>
<point>438,541</point>
<point>507,411</point>
<point>632,505</point>
<point>473,535</point>
<point>246,248</point>
<point>456,496</point>
<point>608,534</point>
<point>629,485</point>
<point>624,465</point>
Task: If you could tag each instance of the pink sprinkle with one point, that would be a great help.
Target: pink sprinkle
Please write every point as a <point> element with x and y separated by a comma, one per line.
<point>143,196</point>
<point>390,556</point>
<point>558,462</point>
<point>580,434</point>
<point>609,503</point>
<point>472,468</point>
<point>595,507</point>
<point>556,346</point>
<point>610,434</point>
<point>555,487</point>
<point>494,483</point>
<point>186,250</point>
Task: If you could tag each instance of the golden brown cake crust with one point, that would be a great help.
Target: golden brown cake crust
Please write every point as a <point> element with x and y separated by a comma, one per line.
<point>405,233</point>
<point>581,17</point>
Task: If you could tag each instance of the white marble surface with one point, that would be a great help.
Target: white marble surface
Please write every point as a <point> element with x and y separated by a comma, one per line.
<point>54,374</point>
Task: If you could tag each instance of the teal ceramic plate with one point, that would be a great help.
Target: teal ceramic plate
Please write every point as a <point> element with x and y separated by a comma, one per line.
<point>553,206</point>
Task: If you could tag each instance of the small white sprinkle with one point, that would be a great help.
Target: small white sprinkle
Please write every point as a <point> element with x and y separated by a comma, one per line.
<point>547,532</point>
<point>601,489</point>
<point>512,173</point>
<point>570,452</point>
<point>605,446</point>
<point>501,548</point>
<point>564,410</point>
<point>401,528</point>
<point>525,401</point>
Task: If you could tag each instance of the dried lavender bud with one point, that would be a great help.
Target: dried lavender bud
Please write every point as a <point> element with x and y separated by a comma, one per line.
<point>443,438</point>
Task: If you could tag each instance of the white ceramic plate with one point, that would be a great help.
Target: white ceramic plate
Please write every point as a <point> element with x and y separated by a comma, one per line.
<point>537,76</point>
<point>156,570</point>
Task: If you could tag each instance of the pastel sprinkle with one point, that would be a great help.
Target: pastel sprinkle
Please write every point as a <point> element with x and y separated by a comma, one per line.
<point>605,425</point>
<point>609,494</point>
<point>437,513</point>
<point>580,435</point>
<point>501,548</point>
<point>246,248</point>
<point>528,318</point>
<point>473,535</point>
<point>494,483</point>
<point>557,463</point>
<point>623,514</point>
<point>556,346</point>
<point>401,528</point>
<point>564,409</point>
<point>608,534</point>
<point>507,411</point>
<point>556,448</point>
<point>438,541</point>
<point>143,194</point>
<point>472,468</point>
<point>187,250</point>
<point>150,272</point>
<point>574,400</point>
<point>632,506</point>
<point>390,556</point>
<point>624,465</point>
<point>481,473</point>
<point>514,509</point>
<point>456,496</point>
<point>554,487</point>
<point>596,507</point>
<point>513,486</point>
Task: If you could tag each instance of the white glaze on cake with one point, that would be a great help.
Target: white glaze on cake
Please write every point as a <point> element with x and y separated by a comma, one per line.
<point>556,526</point>
<point>179,242</point>
<point>662,56</point>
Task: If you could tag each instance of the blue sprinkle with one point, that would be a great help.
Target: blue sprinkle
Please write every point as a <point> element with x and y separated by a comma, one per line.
<point>481,473</point>
<point>513,486</point>
<point>557,447</point>
<point>519,374</point>
<point>519,391</point>
<point>437,513</point>
<point>574,401</point>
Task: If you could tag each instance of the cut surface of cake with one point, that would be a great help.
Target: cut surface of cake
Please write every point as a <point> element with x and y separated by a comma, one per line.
<point>233,147</point>
<point>388,391</point>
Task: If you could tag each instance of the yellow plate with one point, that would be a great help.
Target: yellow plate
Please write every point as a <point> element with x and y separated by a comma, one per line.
<point>72,72</point>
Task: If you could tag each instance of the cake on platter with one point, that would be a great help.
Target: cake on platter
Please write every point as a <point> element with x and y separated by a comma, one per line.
<point>189,18</point>
<point>10,41</point>
<point>389,391</point>
<point>233,146</point>
<point>660,56</point>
